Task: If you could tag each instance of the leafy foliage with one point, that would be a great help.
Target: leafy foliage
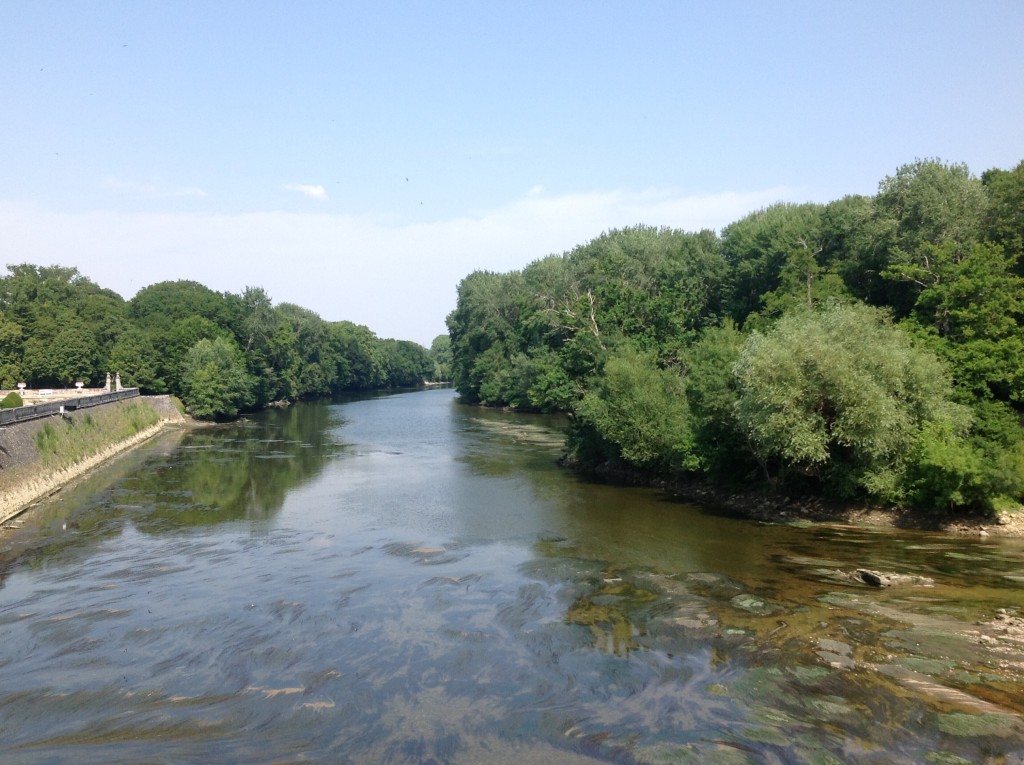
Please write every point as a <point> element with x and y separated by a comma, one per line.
<point>441,356</point>
<point>640,409</point>
<point>756,353</point>
<point>214,381</point>
<point>56,328</point>
<point>11,401</point>
<point>841,395</point>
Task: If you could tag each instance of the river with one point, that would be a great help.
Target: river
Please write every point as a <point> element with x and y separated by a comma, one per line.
<point>402,579</point>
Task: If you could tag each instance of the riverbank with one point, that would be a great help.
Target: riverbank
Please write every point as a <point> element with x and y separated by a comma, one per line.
<point>39,457</point>
<point>767,507</point>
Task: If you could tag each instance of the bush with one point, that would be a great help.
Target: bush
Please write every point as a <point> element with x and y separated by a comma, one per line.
<point>841,396</point>
<point>11,401</point>
<point>641,409</point>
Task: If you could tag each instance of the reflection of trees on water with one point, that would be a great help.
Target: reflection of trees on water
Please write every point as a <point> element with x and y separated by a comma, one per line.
<point>233,472</point>
<point>239,471</point>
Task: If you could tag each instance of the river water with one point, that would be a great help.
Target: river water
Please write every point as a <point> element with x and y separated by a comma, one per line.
<point>403,579</point>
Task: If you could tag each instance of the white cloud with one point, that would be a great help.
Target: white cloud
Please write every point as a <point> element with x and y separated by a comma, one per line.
<point>399,280</point>
<point>313,192</point>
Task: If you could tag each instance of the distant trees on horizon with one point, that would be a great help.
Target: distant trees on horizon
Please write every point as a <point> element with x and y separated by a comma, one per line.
<point>220,352</point>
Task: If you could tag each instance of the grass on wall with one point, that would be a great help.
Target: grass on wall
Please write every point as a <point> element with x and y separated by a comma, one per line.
<point>64,441</point>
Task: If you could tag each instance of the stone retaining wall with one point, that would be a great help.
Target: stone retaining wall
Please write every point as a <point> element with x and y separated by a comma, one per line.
<point>25,479</point>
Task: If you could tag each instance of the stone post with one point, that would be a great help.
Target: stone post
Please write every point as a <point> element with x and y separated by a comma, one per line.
<point>106,387</point>
<point>117,382</point>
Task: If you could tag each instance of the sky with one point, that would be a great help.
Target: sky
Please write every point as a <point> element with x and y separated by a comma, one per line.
<point>360,158</point>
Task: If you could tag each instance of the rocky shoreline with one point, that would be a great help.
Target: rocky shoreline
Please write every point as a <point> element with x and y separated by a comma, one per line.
<point>767,507</point>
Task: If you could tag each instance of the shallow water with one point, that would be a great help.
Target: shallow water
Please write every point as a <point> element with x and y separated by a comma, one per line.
<point>406,580</point>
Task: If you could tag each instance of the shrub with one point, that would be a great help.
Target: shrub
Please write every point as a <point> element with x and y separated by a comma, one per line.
<point>11,401</point>
<point>843,397</point>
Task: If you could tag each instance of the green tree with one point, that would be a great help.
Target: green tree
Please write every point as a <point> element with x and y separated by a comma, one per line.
<point>159,306</point>
<point>971,303</point>
<point>361,358</point>
<point>73,355</point>
<point>1004,214</point>
<point>11,352</point>
<point>408,363</point>
<point>441,355</point>
<point>314,365</point>
<point>641,410</point>
<point>175,341</point>
<point>137,360</point>
<point>657,286</point>
<point>926,203</point>
<point>841,397</point>
<point>214,382</point>
<point>484,330</point>
<point>759,247</point>
<point>721,449</point>
<point>56,326</point>
<point>850,242</point>
<point>268,344</point>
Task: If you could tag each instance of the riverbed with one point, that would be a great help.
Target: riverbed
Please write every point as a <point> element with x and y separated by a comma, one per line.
<point>402,579</point>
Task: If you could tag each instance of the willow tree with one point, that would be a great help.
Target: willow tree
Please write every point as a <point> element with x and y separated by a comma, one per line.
<point>842,397</point>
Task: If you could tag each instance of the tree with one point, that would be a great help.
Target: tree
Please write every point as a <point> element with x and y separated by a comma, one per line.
<point>972,303</point>
<point>11,344</point>
<point>175,341</point>
<point>361,358</point>
<point>641,410</point>
<point>484,330</point>
<point>408,363</point>
<point>314,366</point>
<point>138,362</point>
<point>657,286</point>
<point>1004,215</point>
<point>758,248</point>
<point>160,305</point>
<point>56,326</point>
<point>840,397</point>
<point>268,345</point>
<point>441,355</point>
<point>214,383</point>
<point>927,202</point>
<point>720,448</point>
<point>73,355</point>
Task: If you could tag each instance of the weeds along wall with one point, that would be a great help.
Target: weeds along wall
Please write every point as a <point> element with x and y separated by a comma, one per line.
<point>63,441</point>
<point>30,450</point>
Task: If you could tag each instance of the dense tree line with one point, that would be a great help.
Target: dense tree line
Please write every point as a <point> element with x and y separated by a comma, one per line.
<point>869,347</point>
<point>221,352</point>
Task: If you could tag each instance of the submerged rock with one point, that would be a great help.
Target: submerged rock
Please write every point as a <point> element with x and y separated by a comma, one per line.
<point>754,605</point>
<point>884,579</point>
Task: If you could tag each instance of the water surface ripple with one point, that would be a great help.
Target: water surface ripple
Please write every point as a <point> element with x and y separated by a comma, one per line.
<point>402,579</point>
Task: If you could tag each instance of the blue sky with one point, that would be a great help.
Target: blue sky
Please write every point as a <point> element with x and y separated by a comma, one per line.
<point>359,158</point>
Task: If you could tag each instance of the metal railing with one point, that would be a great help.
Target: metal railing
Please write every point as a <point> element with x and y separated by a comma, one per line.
<point>24,413</point>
